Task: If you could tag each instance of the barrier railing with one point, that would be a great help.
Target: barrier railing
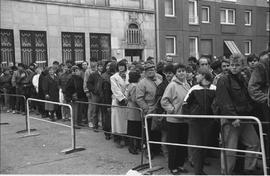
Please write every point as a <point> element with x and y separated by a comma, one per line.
<point>262,153</point>
<point>26,120</point>
<point>73,135</point>
<point>222,142</point>
<point>123,107</point>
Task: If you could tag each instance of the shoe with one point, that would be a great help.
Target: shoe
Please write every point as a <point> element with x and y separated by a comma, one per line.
<point>13,112</point>
<point>118,145</point>
<point>133,151</point>
<point>182,170</point>
<point>90,124</point>
<point>95,129</point>
<point>8,111</point>
<point>107,137</point>
<point>175,171</point>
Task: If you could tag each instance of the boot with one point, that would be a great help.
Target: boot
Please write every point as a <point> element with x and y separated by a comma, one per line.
<point>52,116</point>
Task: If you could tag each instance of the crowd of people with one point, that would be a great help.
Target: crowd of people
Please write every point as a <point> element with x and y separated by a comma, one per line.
<point>237,86</point>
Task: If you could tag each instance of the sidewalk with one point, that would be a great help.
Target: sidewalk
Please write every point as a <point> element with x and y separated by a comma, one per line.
<point>42,154</point>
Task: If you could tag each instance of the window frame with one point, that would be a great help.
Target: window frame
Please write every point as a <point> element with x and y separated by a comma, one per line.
<point>33,47</point>
<point>73,45</point>
<point>196,45</point>
<point>195,13</point>
<point>227,16</point>
<point>250,17</point>
<point>173,6</point>
<point>98,49</point>
<point>174,45</point>
<point>267,24</point>
<point>11,47</point>
<point>208,14</point>
<point>249,47</point>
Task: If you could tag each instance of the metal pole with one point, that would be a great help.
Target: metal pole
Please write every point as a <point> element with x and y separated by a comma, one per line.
<point>207,147</point>
<point>262,146</point>
<point>147,141</point>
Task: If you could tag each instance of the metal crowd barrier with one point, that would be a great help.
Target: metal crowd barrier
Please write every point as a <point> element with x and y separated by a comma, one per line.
<point>262,153</point>
<point>72,127</point>
<point>236,155</point>
<point>123,135</point>
<point>26,120</point>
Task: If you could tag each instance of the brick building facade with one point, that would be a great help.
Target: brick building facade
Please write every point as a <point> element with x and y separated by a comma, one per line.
<point>211,27</point>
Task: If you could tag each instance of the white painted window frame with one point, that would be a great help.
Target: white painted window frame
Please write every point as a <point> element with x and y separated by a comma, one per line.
<point>196,45</point>
<point>227,16</point>
<point>173,5</point>
<point>249,16</point>
<point>195,12</point>
<point>174,45</point>
<point>208,14</point>
<point>249,47</point>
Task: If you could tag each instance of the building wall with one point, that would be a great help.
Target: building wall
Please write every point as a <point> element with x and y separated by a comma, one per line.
<point>59,16</point>
<point>179,26</point>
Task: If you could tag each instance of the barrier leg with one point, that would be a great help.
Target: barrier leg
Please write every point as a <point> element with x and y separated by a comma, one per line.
<point>73,135</point>
<point>26,125</point>
<point>29,134</point>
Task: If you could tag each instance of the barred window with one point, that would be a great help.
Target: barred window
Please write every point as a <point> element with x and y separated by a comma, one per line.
<point>134,35</point>
<point>73,47</point>
<point>7,47</point>
<point>100,46</point>
<point>34,47</point>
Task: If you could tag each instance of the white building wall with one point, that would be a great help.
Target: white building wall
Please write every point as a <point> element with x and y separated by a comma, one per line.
<point>55,19</point>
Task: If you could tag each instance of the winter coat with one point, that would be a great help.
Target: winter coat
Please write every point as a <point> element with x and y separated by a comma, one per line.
<point>106,89</point>
<point>259,83</point>
<point>51,88</point>
<point>160,91</point>
<point>232,96</point>
<point>74,89</point>
<point>17,78</point>
<point>133,114</point>
<point>94,83</point>
<point>41,81</point>
<point>119,115</point>
<point>173,98</point>
<point>146,94</point>
<point>5,81</point>
<point>199,100</point>
<point>63,79</point>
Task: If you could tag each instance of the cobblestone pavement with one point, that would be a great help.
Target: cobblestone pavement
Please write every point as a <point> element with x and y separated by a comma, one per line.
<point>42,154</point>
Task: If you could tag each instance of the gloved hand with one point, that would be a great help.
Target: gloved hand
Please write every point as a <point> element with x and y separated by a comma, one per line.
<point>123,102</point>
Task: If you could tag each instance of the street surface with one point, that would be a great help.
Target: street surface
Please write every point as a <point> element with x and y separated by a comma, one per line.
<point>42,154</point>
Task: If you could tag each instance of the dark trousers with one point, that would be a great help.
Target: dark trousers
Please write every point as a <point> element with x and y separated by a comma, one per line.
<point>20,104</point>
<point>154,135</point>
<point>106,119</point>
<point>199,131</point>
<point>177,133</point>
<point>12,98</point>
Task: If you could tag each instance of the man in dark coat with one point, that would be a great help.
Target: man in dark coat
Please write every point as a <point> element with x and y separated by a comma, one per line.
<point>51,91</point>
<point>233,99</point>
<point>94,86</point>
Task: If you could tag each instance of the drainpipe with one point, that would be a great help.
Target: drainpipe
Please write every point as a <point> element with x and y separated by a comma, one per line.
<point>157,30</point>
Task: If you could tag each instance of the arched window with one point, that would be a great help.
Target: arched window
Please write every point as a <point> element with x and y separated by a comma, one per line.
<point>134,34</point>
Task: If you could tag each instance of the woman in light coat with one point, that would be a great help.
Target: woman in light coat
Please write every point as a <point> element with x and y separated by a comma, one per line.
<point>172,101</point>
<point>119,83</point>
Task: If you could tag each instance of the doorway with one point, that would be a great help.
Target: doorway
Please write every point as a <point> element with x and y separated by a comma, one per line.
<point>133,55</point>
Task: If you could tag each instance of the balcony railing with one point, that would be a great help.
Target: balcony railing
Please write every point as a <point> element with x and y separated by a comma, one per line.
<point>134,37</point>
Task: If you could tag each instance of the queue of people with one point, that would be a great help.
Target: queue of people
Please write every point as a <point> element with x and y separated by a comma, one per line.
<point>236,86</point>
